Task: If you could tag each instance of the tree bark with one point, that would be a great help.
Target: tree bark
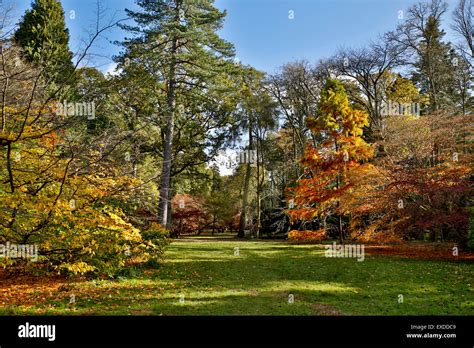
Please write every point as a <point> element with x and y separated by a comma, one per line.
<point>245,194</point>
<point>259,188</point>
<point>338,185</point>
<point>165,179</point>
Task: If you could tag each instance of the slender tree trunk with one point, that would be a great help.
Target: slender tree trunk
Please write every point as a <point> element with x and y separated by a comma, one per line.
<point>245,195</point>
<point>166,174</point>
<point>5,88</point>
<point>338,185</point>
<point>341,232</point>
<point>169,212</point>
<point>168,146</point>
<point>243,215</point>
<point>259,188</point>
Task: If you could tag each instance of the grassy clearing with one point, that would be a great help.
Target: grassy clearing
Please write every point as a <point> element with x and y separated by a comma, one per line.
<point>205,277</point>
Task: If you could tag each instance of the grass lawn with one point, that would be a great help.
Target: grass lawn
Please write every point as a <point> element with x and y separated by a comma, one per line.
<point>206,277</point>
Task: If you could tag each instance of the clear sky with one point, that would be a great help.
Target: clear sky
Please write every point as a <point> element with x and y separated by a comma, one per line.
<point>266,34</point>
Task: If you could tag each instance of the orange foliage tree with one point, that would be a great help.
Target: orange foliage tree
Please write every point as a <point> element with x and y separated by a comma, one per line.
<point>330,166</point>
<point>421,184</point>
<point>189,214</point>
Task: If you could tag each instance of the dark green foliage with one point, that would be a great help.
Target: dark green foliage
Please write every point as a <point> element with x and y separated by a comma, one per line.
<point>43,35</point>
<point>177,47</point>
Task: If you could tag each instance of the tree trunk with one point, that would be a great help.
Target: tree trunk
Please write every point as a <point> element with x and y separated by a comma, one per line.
<point>243,214</point>
<point>166,174</point>
<point>165,179</point>
<point>245,195</point>
<point>338,185</point>
<point>213,224</point>
<point>259,203</point>
<point>341,232</point>
<point>169,220</point>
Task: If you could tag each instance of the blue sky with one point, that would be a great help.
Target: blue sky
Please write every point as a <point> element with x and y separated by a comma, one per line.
<point>264,35</point>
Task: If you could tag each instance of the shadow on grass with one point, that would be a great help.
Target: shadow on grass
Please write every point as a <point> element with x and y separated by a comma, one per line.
<point>269,279</point>
<point>378,285</point>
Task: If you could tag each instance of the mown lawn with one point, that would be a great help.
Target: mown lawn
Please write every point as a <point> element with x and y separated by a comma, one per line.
<point>206,277</point>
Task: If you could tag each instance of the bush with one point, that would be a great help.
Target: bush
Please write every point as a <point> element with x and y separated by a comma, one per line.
<point>307,236</point>
<point>126,252</point>
<point>156,238</point>
<point>94,251</point>
<point>372,235</point>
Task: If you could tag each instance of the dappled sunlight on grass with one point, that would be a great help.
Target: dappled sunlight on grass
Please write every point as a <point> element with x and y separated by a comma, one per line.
<point>295,286</point>
<point>200,260</point>
<point>211,279</point>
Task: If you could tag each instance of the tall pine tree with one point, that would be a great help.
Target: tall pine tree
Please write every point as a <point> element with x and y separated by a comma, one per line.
<point>434,68</point>
<point>421,37</point>
<point>177,42</point>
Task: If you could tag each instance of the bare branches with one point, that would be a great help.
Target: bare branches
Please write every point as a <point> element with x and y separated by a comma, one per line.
<point>368,68</point>
<point>463,18</point>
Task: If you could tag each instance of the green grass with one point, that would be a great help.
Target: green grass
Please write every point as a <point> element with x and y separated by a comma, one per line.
<point>213,281</point>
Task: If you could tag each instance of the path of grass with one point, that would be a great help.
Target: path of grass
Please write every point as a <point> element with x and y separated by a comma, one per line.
<point>205,277</point>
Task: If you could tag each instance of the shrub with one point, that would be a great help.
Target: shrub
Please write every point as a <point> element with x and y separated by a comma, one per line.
<point>156,238</point>
<point>371,235</point>
<point>307,236</point>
